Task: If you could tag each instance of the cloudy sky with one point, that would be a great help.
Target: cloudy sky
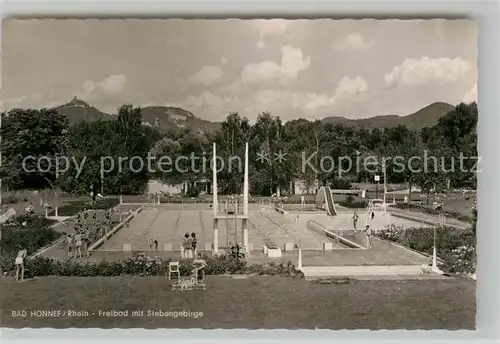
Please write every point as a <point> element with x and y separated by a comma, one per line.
<point>292,68</point>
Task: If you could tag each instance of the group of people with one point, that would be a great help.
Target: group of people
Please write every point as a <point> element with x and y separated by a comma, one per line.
<point>153,243</point>
<point>30,210</point>
<point>188,248</point>
<point>77,244</point>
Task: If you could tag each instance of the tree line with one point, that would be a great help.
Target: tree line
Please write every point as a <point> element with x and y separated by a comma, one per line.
<point>300,143</point>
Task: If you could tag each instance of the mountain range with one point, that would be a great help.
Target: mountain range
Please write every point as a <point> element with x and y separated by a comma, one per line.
<point>425,117</point>
<point>163,117</point>
<point>173,118</point>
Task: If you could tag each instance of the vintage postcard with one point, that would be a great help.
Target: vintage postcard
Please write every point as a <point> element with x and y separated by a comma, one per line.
<point>239,174</point>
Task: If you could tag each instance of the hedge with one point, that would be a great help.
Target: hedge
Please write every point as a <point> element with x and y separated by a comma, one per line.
<point>453,214</point>
<point>143,265</point>
<point>351,202</point>
<point>75,207</point>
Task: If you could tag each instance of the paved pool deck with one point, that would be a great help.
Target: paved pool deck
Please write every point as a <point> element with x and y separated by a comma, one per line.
<point>167,223</point>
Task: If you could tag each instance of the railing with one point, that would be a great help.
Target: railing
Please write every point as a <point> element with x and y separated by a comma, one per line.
<point>230,209</point>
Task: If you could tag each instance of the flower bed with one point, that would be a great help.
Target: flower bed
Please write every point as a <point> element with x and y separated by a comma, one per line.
<point>455,248</point>
<point>143,265</point>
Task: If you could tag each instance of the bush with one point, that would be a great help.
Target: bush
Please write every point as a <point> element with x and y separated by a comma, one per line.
<point>33,235</point>
<point>274,269</point>
<point>14,198</point>
<point>460,260</point>
<point>143,265</point>
<point>341,184</point>
<point>391,233</point>
<point>351,202</point>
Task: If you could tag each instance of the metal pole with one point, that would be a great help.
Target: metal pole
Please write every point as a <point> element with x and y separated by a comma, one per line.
<point>56,211</point>
<point>434,251</point>
<point>227,227</point>
<point>236,223</point>
<point>385,185</point>
<point>1,116</point>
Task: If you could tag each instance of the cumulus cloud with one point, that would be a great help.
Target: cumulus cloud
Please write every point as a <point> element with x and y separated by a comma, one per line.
<point>292,63</point>
<point>207,99</point>
<point>211,106</point>
<point>352,42</point>
<point>207,75</point>
<point>108,86</point>
<point>25,101</point>
<point>350,87</point>
<point>267,27</point>
<point>414,72</point>
<point>281,101</point>
<point>471,95</point>
<point>346,88</point>
<point>306,101</point>
<point>233,87</point>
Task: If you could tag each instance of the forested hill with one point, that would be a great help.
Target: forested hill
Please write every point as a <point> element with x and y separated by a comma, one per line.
<point>168,118</point>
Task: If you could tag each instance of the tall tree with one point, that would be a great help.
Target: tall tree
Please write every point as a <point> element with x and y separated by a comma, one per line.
<point>39,134</point>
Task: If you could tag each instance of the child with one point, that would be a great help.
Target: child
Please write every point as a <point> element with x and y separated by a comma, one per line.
<point>78,244</point>
<point>355,220</point>
<point>69,243</point>
<point>86,243</point>
<point>194,242</point>
<point>21,255</point>
<point>155,243</point>
<point>199,265</point>
<point>368,232</point>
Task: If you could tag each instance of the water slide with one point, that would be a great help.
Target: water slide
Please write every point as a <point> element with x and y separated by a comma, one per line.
<point>325,196</point>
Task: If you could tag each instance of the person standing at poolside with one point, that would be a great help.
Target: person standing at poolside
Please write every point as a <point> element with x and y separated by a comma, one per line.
<point>21,255</point>
<point>69,244</point>
<point>78,244</point>
<point>194,242</point>
<point>368,232</point>
<point>86,243</point>
<point>355,220</point>
<point>187,246</point>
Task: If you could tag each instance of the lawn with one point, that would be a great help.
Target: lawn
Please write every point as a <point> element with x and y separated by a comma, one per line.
<point>253,302</point>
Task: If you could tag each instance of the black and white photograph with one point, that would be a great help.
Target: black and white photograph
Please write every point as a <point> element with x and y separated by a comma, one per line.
<point>239,174</point>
